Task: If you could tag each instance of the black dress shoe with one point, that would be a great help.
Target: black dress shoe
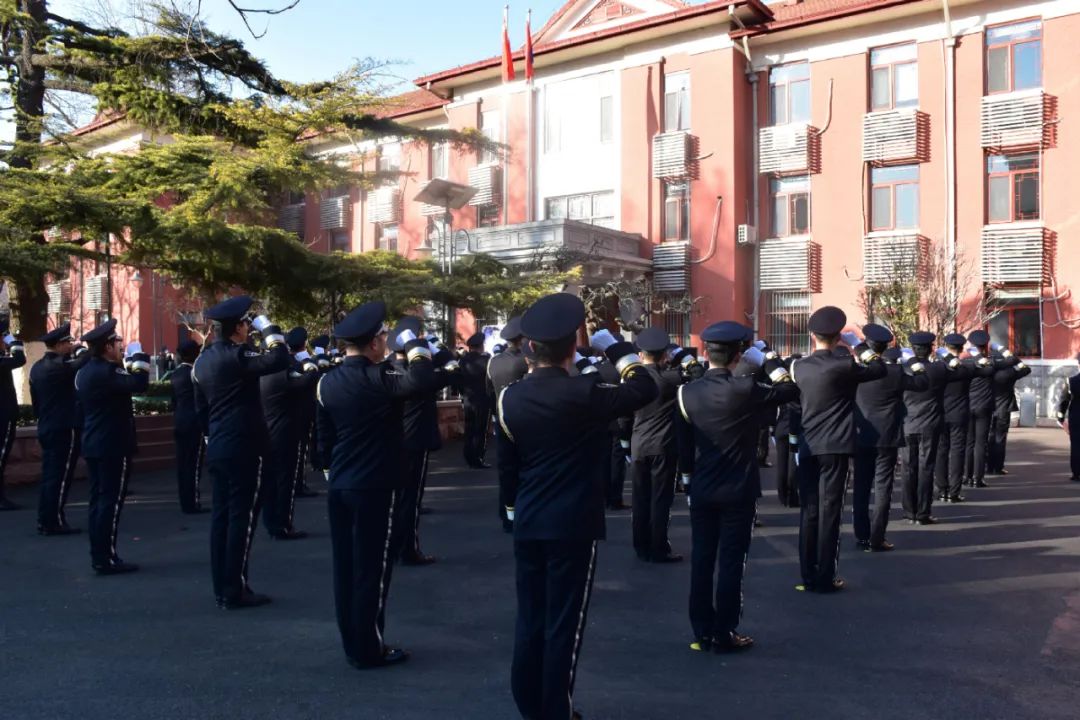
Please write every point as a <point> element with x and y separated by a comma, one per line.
<point>765,464</point>
<point>758,523</point>
<point>115,568</point>
<point>734,642</point>
<point>926,521</point>
<point>618,506</point>
<point>863,545</point>
<point>942,497</point>
<point>417,559</point>
<point>979,482</point>
<point>306,492</point>
<point>59,530</point>
<point>480,465</point>
<point>669,558</point>
<point>885,546</point>
<point>289,534</point>
<point>247,599</point>
<point>957,498</point>
<point>195,511</point>
<point>391,656</point>
<point>6,504</point>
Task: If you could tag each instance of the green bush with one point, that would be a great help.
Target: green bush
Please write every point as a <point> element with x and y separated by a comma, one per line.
<point>25,416</point>
<point>140,405</point>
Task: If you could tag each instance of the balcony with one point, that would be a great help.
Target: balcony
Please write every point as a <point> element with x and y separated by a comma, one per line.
<point>892,255</point>
<point>1017,253</point>
<point>1019,119</point>
<point>789,264</point>
<point>791,148</point>
<point>604,254</point>
<point>386,205</point>
<point>674,156</point>
<point>487,179</point>
<point>901,135</point>
<point>291,218</point>
<point>334,212</point>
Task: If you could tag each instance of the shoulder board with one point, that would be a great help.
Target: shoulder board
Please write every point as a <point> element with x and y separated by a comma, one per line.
<point>121,371</point>
<point>605,385</point>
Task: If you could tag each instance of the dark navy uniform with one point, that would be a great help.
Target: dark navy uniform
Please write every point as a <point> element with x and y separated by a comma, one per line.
<point>828,382</point>
<point>1068,410</point>
<point>620,429</point>
<point>959,398</point>
<point>1005,380</point>
<point>880,434</point>
<point>980,408</point>
<point>52,392</point>
<point>718,449</point>
<point>653,454</point>
<point>504,368</point>
<point>360,437</point>
<point>285,395</point>
<point>474,401</point>
<point>104,389</point>
<point>12,357</point>
<point>326,357</point>
<point>554,432</point>
<point>786,433</point>
<point>189,431</point>
<point>226,378</point>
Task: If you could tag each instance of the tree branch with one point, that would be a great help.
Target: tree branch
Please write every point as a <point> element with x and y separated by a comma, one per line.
<point>243,12</point>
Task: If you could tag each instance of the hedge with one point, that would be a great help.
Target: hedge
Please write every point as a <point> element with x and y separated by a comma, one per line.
<point>140,405</point>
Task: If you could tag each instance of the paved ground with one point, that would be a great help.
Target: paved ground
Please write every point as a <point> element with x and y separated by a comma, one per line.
<point>978,617</point>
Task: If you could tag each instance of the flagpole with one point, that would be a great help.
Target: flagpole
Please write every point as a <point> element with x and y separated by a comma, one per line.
<point>505,117</point>
<point>530,214</point>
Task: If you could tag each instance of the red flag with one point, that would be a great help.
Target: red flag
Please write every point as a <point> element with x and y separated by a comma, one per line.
<point>529,73</point>
<point>508,58</point>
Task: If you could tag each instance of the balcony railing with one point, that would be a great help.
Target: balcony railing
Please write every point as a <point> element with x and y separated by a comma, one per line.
<point>334,212</point>
<point>892,255</point>
<point>291,218</point>
<point>1016,253</point>
<point>59,297</point>
<point>1019,119</point>
<point>386,205</point>
<point>96,292</point>
<point>896,136</point>
<point>790,148</point>
<point>788,264</point>
<point>674,155</point>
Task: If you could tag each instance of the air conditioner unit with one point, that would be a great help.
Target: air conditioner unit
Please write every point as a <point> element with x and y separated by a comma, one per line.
<point>746,235</point>
<point>487,179</point>
<point>671,153</point>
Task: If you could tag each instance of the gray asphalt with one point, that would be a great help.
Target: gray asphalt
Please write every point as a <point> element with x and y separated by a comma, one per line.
<point>978,617</point>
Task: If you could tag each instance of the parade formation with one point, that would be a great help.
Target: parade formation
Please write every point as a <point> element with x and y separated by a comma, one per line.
<point>570,414</point>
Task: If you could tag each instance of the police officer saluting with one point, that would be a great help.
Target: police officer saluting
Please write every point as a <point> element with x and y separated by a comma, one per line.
<point>474,400</point>
<point>653,454</point>
<point>12,357</point>
<point>554,439</point>
<point>959,399</point>
<point>227,388</point>
<point>828,382</point>
<point>718,434</point>
<point>880,435</point>
<point>1005,380</point>
<point>1068,416</point>
<point>52,392</point>
<point>189,429</point>
<point>506,367</point>
<point>104,388</point>
<point>360,432</point>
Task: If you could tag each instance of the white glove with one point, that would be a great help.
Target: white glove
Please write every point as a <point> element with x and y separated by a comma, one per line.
<point>754,356</point>
<point>578,357</point>
<point>510,514</point>
<point>973,351</point>
<point>320,351</point>
<point>996,347</point>
<point>326,474</point>
<point>9,338</point>
<point>907,353</point>
<point>850,338</point>
<point>624,444</point>
<point>405,337</point>
<point>602,340</point>
<point>133,347</point>
<point>760,345</point>
<point>261,322</point>
<point>684,478</point>
<point>942,353</point>
<point>303,355</point>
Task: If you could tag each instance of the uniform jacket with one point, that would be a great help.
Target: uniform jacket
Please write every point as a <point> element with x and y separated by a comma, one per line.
<point>227,389</point>
<point>1005,381</point>
<point>827,383</point>
<point>472,378</point>
<point>960,399</point>
<point>285,395</point>
<point>654,425</point>
<point>879,405</point>
<point>186,419</point>
<point>981,390</point>
<point>420,414</point>
<point>621,427</point>
<point>52,393</point>
<point>926,408</point>
<point>506,367</point>
<point>360,420</point>
<point>554,434</point>
<point>1069,403</point>
<point>718,434</point>
<point>104,391</point>
<point>9,404</point>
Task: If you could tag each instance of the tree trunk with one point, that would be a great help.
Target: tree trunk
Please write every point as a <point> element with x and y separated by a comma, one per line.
<point>33,303</point>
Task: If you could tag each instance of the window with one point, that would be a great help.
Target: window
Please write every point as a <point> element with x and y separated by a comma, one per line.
<point>894,77</point>
<point>296,197</point>
<point>390,157</point>
<point>1014,57</point>
<point>491,127</point>
<point>340,241</point>
<point>487,216</point>
<point>677,325</point>
<point>894,197</point>
<point>1012,187</point>
<point>790,206</point>
<point>787,317</point>
<point>440,161</point>
<point>579,113</point>
<point>596,208</point>
<point>789,94</point>
<point>676,211</point>
<point>387,235</point>
<point>677,102</point>
<point>1018,327</point>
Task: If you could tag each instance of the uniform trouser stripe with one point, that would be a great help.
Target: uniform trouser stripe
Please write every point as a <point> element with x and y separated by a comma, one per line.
<point>61,496</point>
<point>421,482</point>
<point>199,453</point>
<point>293,481</point>
<point>252,514</point>
<point>746,561</point>
<point>385,566</point>
<point>117,507</point>
<point>5,449</point>
<point>580,633</point>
